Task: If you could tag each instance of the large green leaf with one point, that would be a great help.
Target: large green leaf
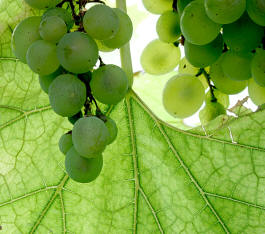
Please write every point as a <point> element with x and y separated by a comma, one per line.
<point>156,178</point>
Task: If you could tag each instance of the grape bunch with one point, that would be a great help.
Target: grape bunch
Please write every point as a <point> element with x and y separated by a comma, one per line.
<point>224,45</point>
<point>62,47</point>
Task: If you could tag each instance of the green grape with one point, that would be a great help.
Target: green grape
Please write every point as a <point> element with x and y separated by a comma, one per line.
<point>224,11</point>
<point>195,25</point>
<point>75,117</point>
<point>222,98</point>
<point>90,136</point>
<point>159,7</point>
<point>42,4</point>
<point>102,47</point>
<point>159,57</point>
<point>77,52</point>
<point>65,143</point>
<point>52,29</point>
<point>41,58</point>
<point>183,95</point>
<point>181,4</point>
<point>256,92</point>
<point>167,27</point>
<point>101,22</point>
<point>211,111</point>
<point>80,169</point>
<point>64,14</point>
<point>258,67</point>
<point>25,33</point>
<point>243,35</point>
<point>109,84</point>
<point>124,33</point>
<point>113,130</point>
<point>45,81</point>
<point>256,11</point>
<point>204,55</point>
<point>222,82</point>
<point>67,95</point>
<point>236,66</point>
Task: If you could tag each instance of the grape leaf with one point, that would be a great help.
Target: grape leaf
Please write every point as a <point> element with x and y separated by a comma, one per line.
<point>156,178</point>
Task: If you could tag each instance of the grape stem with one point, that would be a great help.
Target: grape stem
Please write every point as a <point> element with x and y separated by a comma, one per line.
<point>174,5</point>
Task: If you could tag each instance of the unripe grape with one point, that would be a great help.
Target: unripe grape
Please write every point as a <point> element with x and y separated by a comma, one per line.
<point>42,4</point>
<point>256,11</point>
<point>65,143</point>
<point>181,4</point>
<point>258,67</point>
<point>102,47</point>
<point>222,98</point>
<point>211,111</point>
<point>256,92</point>
<point>113,130</point>
<point>159,7</point>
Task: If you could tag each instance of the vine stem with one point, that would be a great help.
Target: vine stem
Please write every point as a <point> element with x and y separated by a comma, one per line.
<point>125,51</point>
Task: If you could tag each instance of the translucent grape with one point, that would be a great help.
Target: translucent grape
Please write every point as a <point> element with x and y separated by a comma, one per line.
<point>181,4</point>
<point>25,33</point>
<point>67,95</point>
<point>167,27</point>
<point>52,29</point>
<point>204,55</point>
<point>41,57</point>
<point>102,47</point>
<point>258,67</point>
<point>256,11</point>
<point>236,66</point>
<point>222,82</point>
<point>77,52</point>
<point>183,95</point>
<point>113,130</point>
<point>109,84</point>
<point>75,117</point>
<point>222,98</point>
<point>80,169</point>
<point>124,33</point>
<point>159,7</point>
<point>42,4</point>
<point>196,26</point>
<point>101,22</point>
<point>224,11</point>
<point>159,57</point>
<point>90,136</point>
<point>243,35</point>
<point>211,111</point>
<point>256,92</point>
<point>64,14</point>
<point>65,143</point>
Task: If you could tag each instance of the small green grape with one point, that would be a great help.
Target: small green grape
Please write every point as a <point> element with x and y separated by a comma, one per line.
<point>25,33</point>
<point>67,95</point>
<point>65,143</point>
<point>90,136</point>
<point>256,92</point>
<point>109,84</point>
<point>113,130</point>
<point>211,111</point>
<point>102,47</point>
<point>159,7</point>
<point>256,11</point>
<point>183,95</point>
<point>80,169</point>
<point>75,117</point>
<point>181,4</point>
<point>258,67</point>
<point>42,4</point>
<point>41,58</point>
<point>222,98</point>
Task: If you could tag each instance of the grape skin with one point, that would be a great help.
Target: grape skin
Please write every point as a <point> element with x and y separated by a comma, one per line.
<point>256,11</point>
<point>159,7</point>
<point>113,130</point>
<point>65,143</point>
<point>256,93</point>
<point>102,47</point>
<point>211,111</point>
<point>258,67</point>
<point>181,4</point>
<point>42,4</point>
<point>222,98</point>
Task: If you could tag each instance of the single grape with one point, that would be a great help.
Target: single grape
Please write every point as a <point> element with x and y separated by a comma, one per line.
<point>167,27</point>
<point>181,4</point>
<point>256,11</point>
<point>77,52</point>
<point>45,81</point>
<point>42,4</point>
<point>52,29</point>
<point>102,47</point>
<point>222,98</point>
<point>101,22</point>
<point>90,136</point>
<point>159,57</point>
<point>211,111</point>
<point>65,143</point>
<point>80,169</point>
<point>224,11</point>
<point>109,84</point>
<point>124,33</point>
<point>113,130</point>
<point>25,33</point>
<point>222,82</point>
<point>64,14</point>
<point>258,67</point>
<point>67,95</point>
<point>243,35</point>
<point>75,117</point>
<point>159,7</point>
<point>41,58</point>
<point>204,55</point>
<point>256,92</point>
<point>236,66</point>
<point>196,26</point>
<point>183,95</point>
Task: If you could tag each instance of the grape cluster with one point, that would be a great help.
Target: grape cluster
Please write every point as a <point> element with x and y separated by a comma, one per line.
<point>224,44</point>
<point>62,47</point>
